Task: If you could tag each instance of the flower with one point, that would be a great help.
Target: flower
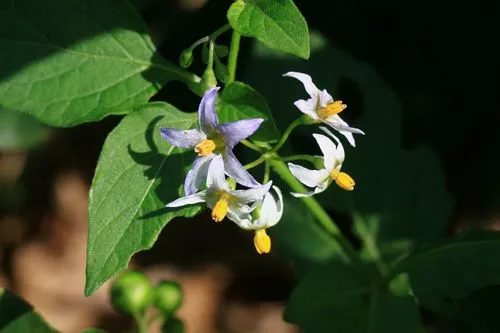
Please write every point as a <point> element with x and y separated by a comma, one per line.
<point>333,157</point>
<point>322,107</point>
<point>267,214</point>
<point>210,140</point>
<point>221,199</point>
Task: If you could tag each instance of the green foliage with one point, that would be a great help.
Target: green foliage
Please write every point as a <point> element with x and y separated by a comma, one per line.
<point>133,181</point>
<point>19,131</point>
<point>240,101</point>
<point>276,23</point>
<point>173,325</point>
<point>442,274</point>
<point>72,62</point>
<point>18,316</point>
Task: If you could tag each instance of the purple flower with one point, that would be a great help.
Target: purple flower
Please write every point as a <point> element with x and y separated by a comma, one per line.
<point>210,140</point>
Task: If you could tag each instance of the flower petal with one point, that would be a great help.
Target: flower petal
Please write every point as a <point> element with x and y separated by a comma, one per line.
<point>306,80</point>
<point>188,200</point>
<point>271,210</point>
<point>329,150</point>
<point>216,177</point>
<point>251,194</point>
<point>236,131</point>
<point>182,138</point>
<point>197,175</point>
<point>235,170</point>
<point>343,128</point>
<point>308,107</point>
<point>311,178</point>
<point>339,153</point>
<point>207,115</point>
<point>325,98</point>
<point>318,189</point>
<point>240,214</point>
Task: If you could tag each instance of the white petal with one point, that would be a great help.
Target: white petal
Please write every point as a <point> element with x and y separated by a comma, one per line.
<point>189,200</point>
<point>306,80</point>
<point>216,177</point>
<point>339,150</point>
<point>311,178</point>
<point>272,209</point>
<point>343,128</point>
<point>251,194</point>
<point>328,149</point>
<point>325,98</point>
<point>320,188</point>
<point>240,214</point>
<point>308,107</point>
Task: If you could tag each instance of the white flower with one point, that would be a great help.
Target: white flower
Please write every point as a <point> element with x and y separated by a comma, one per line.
<point>333,157</point>
<point>221,199</point>
<point>267,214</point>
<point>321,107</point>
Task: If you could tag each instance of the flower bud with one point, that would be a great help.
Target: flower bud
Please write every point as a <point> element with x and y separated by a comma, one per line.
<point>173,325</point>
<point>186,58</point>
<point>208,80</point>
<point>131,292</point>
<point>168,296</point>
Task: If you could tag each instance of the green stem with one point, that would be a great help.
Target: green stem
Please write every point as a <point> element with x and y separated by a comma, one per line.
<point>233,56</point>
<point>297,122</point>
<point>253,164</point>
<point>370,243</point>
<point>301,157</point>
<point>267,171</point>
<point>315,208</point>
<point>210,62</point>
<point>219,31</point>
<point>142,325</point>
<point>251,145</point>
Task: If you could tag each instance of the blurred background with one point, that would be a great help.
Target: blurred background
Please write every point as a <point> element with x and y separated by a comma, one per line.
<point>419,78</point>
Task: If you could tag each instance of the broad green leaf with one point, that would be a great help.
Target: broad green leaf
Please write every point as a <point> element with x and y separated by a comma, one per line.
<point>240,101</point>
<point>137,174</point>
<point>442,274</point>
<point>17,316</point>
<point>19,131</point>
<point>276,23</point>
<point>402,190</point>
<point>69,62</point>
<point>393,314</point>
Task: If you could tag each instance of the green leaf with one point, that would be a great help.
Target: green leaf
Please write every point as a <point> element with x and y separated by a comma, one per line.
<point>18,316</point>
<point>94,330</point>
<point>137,174</point>
<point>239,101</point>
<point>444,273</point>
<point>69,62</point>
<point>276,23</point>
<point>19,131</point>
<point>393,314</point>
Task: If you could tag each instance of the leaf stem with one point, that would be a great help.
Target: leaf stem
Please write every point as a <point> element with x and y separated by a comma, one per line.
<point>142,326</point>
<point>219,31</point>
<point>251,145</point>
<point>297,122</point>
<point>255,163</point>
<point>233,56</point>
<point>321,215</point>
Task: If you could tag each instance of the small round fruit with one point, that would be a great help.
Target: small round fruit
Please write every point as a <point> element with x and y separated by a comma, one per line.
<point>131,292</point>
<point>168,296</point>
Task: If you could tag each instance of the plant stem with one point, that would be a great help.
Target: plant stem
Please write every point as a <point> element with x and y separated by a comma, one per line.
<point>210,62</point>
<point>286,134</point>
<point>233,56</point>
<point>255,163</point>
<point>301,157</point>
<point>267,169</point>
<point>142,326</point>
<point>315,208</point>
<point>219,31</point>
<point>251,145</point>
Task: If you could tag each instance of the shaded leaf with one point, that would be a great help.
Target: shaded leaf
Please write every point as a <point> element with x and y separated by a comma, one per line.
<point>69,62</point>
<point>276,23</point>
<point>137,174</point>
<point>20,131</point>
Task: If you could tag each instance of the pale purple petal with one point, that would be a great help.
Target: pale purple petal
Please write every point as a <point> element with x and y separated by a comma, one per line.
<point>251,194</point>
<point>328,149</point>
<point>235,170</point>
<point>188,200</point>
<point>182,138</point>
<point>207,115</point>
<point>236,131</point>
<point>306,80</point>
<point>308,107</point>
<point>216,177</point>
<point>197,175</point>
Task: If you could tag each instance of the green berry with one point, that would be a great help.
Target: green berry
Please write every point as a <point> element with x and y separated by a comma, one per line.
<point>168,296</point>
<point>131,292</point>
<point>186,58</point>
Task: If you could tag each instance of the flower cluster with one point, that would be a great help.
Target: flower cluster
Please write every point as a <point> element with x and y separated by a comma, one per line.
<point>257,207</point>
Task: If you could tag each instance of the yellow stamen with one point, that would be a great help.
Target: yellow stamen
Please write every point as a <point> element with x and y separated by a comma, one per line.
<point>262,241</point>
<point>205,147</point>
<point>331,109</point>
<point>343,180</point>
<point>221,207</point>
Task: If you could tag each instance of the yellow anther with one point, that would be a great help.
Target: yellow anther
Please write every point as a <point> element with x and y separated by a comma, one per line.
<point>205,147</point>
<point>342,179</point>
<point>331,109</point>
<point>262,242</point>
<point>221,207</point>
